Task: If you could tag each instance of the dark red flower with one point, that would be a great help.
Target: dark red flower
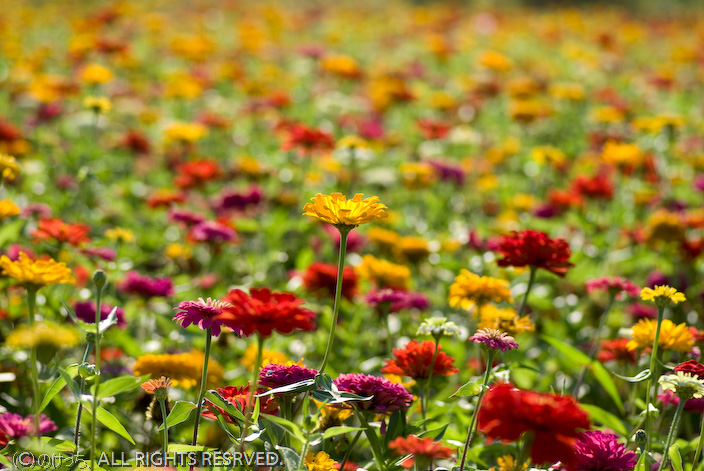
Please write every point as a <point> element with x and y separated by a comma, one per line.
<point>507,412</point>
<point>534,249</point>
<point>321,278</point>
<point>598,187</point>
<point>238,397</point>
<point>58,231</point>
<point>307,140</point>
<point>263,311</point>
<point>424,450</point>
<point>415,358</point>
<point>136,141</point>
<point>616,350</point>
<point>197,173</point>
<point>692,367</point>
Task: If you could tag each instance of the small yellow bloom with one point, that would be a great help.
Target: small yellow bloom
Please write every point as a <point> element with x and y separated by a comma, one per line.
<point>120,234</point>
<point>495,61</point>
<point>320,461</point>
<point>384,273</point>
<point>672,336</point>
<point>36,273</point>
<point>338,211</point>
<point>8,167</point>
<point>98,105</point>
<point>469,290</point>
<point>184,369</point>
<point>662,295</point>
<point>178,251</point>
<point>331,416</point>
<point>622,154</point>
<point>352,142</point>
<point>665,226</point>
<point>341,65</point>
<point>547,155</point>
<point>268,357</point>
<point>492,317</point>
<point>96,73</point>
<point>607,114</point>
<point>417,175</point>
<point>567,91</point>
<point>412,249</point>
<point>185,132</point>
<point>8,209</point>
<point>384,238</point>
<point>43,334</point>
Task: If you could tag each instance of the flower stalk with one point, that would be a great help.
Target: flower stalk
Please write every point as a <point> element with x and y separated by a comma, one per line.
<point>203,385</point>
<point>252,389</point>
<point>531,279</point>
<point>470,432</point>
<point>99,280</point>
<point>652,384</point>
<point>344,232</point>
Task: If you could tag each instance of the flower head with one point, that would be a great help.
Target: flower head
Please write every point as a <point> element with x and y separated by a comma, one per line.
<point>438,327</point>
<point>332,416</point>
<point>469,290</point>
<point>415,359</point>
<point>268,357</point>
<point>491,317</point>
<point>662,295</point>
<point>494,339</point>
<point>615,286</point>
<point>384,273</point>
<point>534,249</point>
<point>203,313</point>
<point>158,387</point>
<point>508,412</point>
<point>424,450</point>
<point>275,375</point>
<point>672,336</point>
<point>599,451</point>
<point>8,167</point>
<point>58,231</point>
<point>320,461</point>
<point>146,287</point>
<point>387,397</point>
<point>239,397</point>
<point>8,209</point>
<point>97,104</point>
<point>321,279</point>
<point>616,350</point>
<point>183,369</point>
<point>338,211</point>
<point>36,273</point>
<point>46,336</point>
<point>692,367</point>
<point>85,311</point>
<point>685,385</point>
<point>16,426</point>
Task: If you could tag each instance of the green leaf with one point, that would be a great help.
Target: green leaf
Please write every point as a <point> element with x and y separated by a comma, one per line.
<point>568,351</point>
<point>334,431</point>
<point>470,388</point>
<point>215,397</point>
<point>109,420</point>
<point>120,384</point>
<point>180,413</point>
<point>324,381</point>
<point>640,377</point>
<point>436,433</point>
<point>599,415</point>
<point>290,457</point>
<point>223,425</point>
<point>65,446</point>
<point>607,383</point>
<point>290,427</point>
<point>56,386</point>
<point>68,379</point>
<point>255,412</point>
<point>675,457</point>
<point>10,231</point>
<point>70,311</point>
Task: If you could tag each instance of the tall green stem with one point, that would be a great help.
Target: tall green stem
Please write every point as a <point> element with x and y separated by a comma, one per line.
<point>252,388</point>
<point>652,383</point>
<point>531,279</point>
<point>94,427</point>
<point>698,453</point>
<point>31,300</point>
<point>426,389</point>
<point>166,427</point>
<point>674,428</point>
<point>79,408</point>
<point>595,345</point>
<point>344,232</point>
<point>470,432</point>
<point>203,385</point>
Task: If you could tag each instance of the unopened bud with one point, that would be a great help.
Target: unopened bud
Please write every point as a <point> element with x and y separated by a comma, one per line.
<point>86,370</point>
<point>641,438</point>
<point>100,279</point>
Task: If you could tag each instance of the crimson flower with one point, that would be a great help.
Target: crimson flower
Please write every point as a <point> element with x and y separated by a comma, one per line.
<point>616,349</point>
<point>599,451</point>
<point>598,187</point>
<point>238,397</point>
<point>59,231</point>
<point>534,249</point>
<point>508,412</point>
<point>424,450</point>
<point>321,278</point>
<point>307,140</point>
<point>386,397</point>
<point>197,173</point>
<point>414,360</point>
<point>264,311</point>
<point>692,367</point>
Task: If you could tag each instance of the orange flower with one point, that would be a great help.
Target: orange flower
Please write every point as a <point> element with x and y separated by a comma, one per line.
<point>59,231</point>
<point>424,450</point>
<point>155,385</point>
<point>414,360</point>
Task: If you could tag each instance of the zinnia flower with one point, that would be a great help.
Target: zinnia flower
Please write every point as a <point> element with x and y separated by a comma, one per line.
<point>599,451</point>
<point>264,311</point>
<point>158,387</point>
<point>203,313</point>
<point>183,369</point>
<point>59,231</point>
<point>662,295</point>
<point>469,290</point>
<point>415,359</point>
<point>494,339</point>
<point>338,211</point>
<point>507,320</point>
<point>616,350</point>
<point>424,450</point>
<point>692,367</point>
<point>320,461</point>
<point>672,336</point>
<point>15,426</point>
<point>321,278</point>
<point>8,209</point>
<point>384,273</point>
<point>146,287</point>
<point>8,167</point>
<point>508,412</point>
<point>685,385</point>
<point>615,286</point>
<point>275,375</point>
<point>43,335</point>
<point>387,397</point>
<point>239,397</point>
<point>212,232</point>
<point>534,249</point>
<point>36,273</point>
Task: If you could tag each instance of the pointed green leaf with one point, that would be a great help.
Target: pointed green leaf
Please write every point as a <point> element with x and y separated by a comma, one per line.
<point>675,457</point>
<point>110,421</point>
<point>180,413</point>
<point>599,415</point>
<point>341,430</point>
<point>470,388</point>
<point>120,384</point>
<point>291,458</point>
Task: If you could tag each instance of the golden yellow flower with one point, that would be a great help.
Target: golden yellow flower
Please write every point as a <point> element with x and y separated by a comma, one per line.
<point>413,249</point>
<point>492,317</point>
<point>495,61</point>
<point>662,295</point>
<point>182,86</point>
<point>8,209</point>
<point>384,238</point>
<point>96,73</point>
<point>547,155</point>
<point>654,124</point>
<point>508,463</point>
<point>607,114</point>
<point>8,167</point>
<point>398,379</point>
<point>178,251</point>
<point>352,142</point>
<point>120,234</point>
<point>622,154</point>
<point>320,461</point>
<point>250,166</point>
<point>338,211</point>
<point>417,175</point>
<point>185,132</point>
<point>384,273</point>
<point>672,337</point>
<point>36,273</point>
<point>469,290</point>
<point>567,91</point>
<point>341,65</point>
<point>268,357</point>
<point>184,369</point>
<point>666,226</point>
<point>528,110</point>
<point>97,104</point>
<point>331,416</point>
<point>43,334</point>
<point>523,87</point>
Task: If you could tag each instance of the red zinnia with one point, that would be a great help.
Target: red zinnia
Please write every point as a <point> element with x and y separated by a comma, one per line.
<point>414,360</point>
<point>692,367</point>
<point>598,187</point>
<point>263,312</point>
<point>534,249</point>
<point>508,412</point>
<point>197,173</point>
<point>616,349</point>
<point>238,397</point>
<point>433,128</point>
<point>321,278</point>
<point>59,231</point>
<point>307,140</point>
<point>424,450</point>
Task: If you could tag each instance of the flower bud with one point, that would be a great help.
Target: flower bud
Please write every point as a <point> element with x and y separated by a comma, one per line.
<point>100,279</point>
<point>641,438</point>
<point>87,370</point>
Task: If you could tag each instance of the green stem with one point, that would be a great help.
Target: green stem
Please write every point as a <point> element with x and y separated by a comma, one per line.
<point>79,408</point>
<point>94,427</point>
<point>674,428</point>
<point>344,231</point>
<point>349,449</point>
<point>166,427</point>
<point>595,345</point>
<point>252,389</point>
<point>698,453</point>
<point>531,279</point>
<point>389,345</point>
<point>304,452</point>
<point>652,383</point>
<point>203,385</point>
<point>528,438</point>
<point>426,389</point>
<point>31,300</point>
<point>380,463</point>
<point>470,432</point>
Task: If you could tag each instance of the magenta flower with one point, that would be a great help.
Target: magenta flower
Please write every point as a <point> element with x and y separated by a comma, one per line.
<point>692,405</point>
<point>599,451</point>
<point>448,171</point>
<point>213,232</point>
<point>185,216</point>
<point>392,300</point>
<point>202,313</point>
<point>85,311</point>
<point>494,339</point>
<point>15,426</point>
<point>387,397</point>
<point>146,287</point>
<point>240,201</point>
<point>615,286</point>
<point>105,253</point>
<point>275,376</point>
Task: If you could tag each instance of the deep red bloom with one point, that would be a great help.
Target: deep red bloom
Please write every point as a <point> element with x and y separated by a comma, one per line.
<point>321,278</point>
<point>238,397</point>
<point>534,249</point>
<point>507,412</point>
<point>692,367</point>
<point>433,128</point>
<point>263,312</point>
<point>58,231</point>
<point>414,360</point>
<point>136,141</point>
<point>616,349</point>
<point>165,198</point>
<point>197,173</point>
<point>423,449</point>
<point>307,140</point>
<point>598,187</point>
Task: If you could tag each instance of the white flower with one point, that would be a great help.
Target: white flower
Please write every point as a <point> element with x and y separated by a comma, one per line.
<point>684,385</point>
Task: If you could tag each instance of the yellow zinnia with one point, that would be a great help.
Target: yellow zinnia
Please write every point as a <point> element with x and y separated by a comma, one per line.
<point>184,369</point>
<point>42,334</point>
<point>672,336</point>
<point>320,461</point>
<point>662,295</point>
<point>470,289</point>
<point>97,104</point>
<point>36,273</point>
<point>384,273</point>
<point>492,317</point>
<point>8,209</point>
<point>8,167</point>
<point>338,211</point>
<point>268,357</point>
<point>120,234</point>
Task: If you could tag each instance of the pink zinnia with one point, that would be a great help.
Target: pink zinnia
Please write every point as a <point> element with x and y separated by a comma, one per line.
<point>142,285</point>
<point>614,286</point>
<point>202,313</point>
<point>494,339</point>
<point>599,451</point>
<point>386,397</point>
<point>16,426</point>
<point>276,376</point>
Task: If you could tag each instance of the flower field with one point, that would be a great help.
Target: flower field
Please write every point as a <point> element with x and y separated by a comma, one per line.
<point>376,235</point>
